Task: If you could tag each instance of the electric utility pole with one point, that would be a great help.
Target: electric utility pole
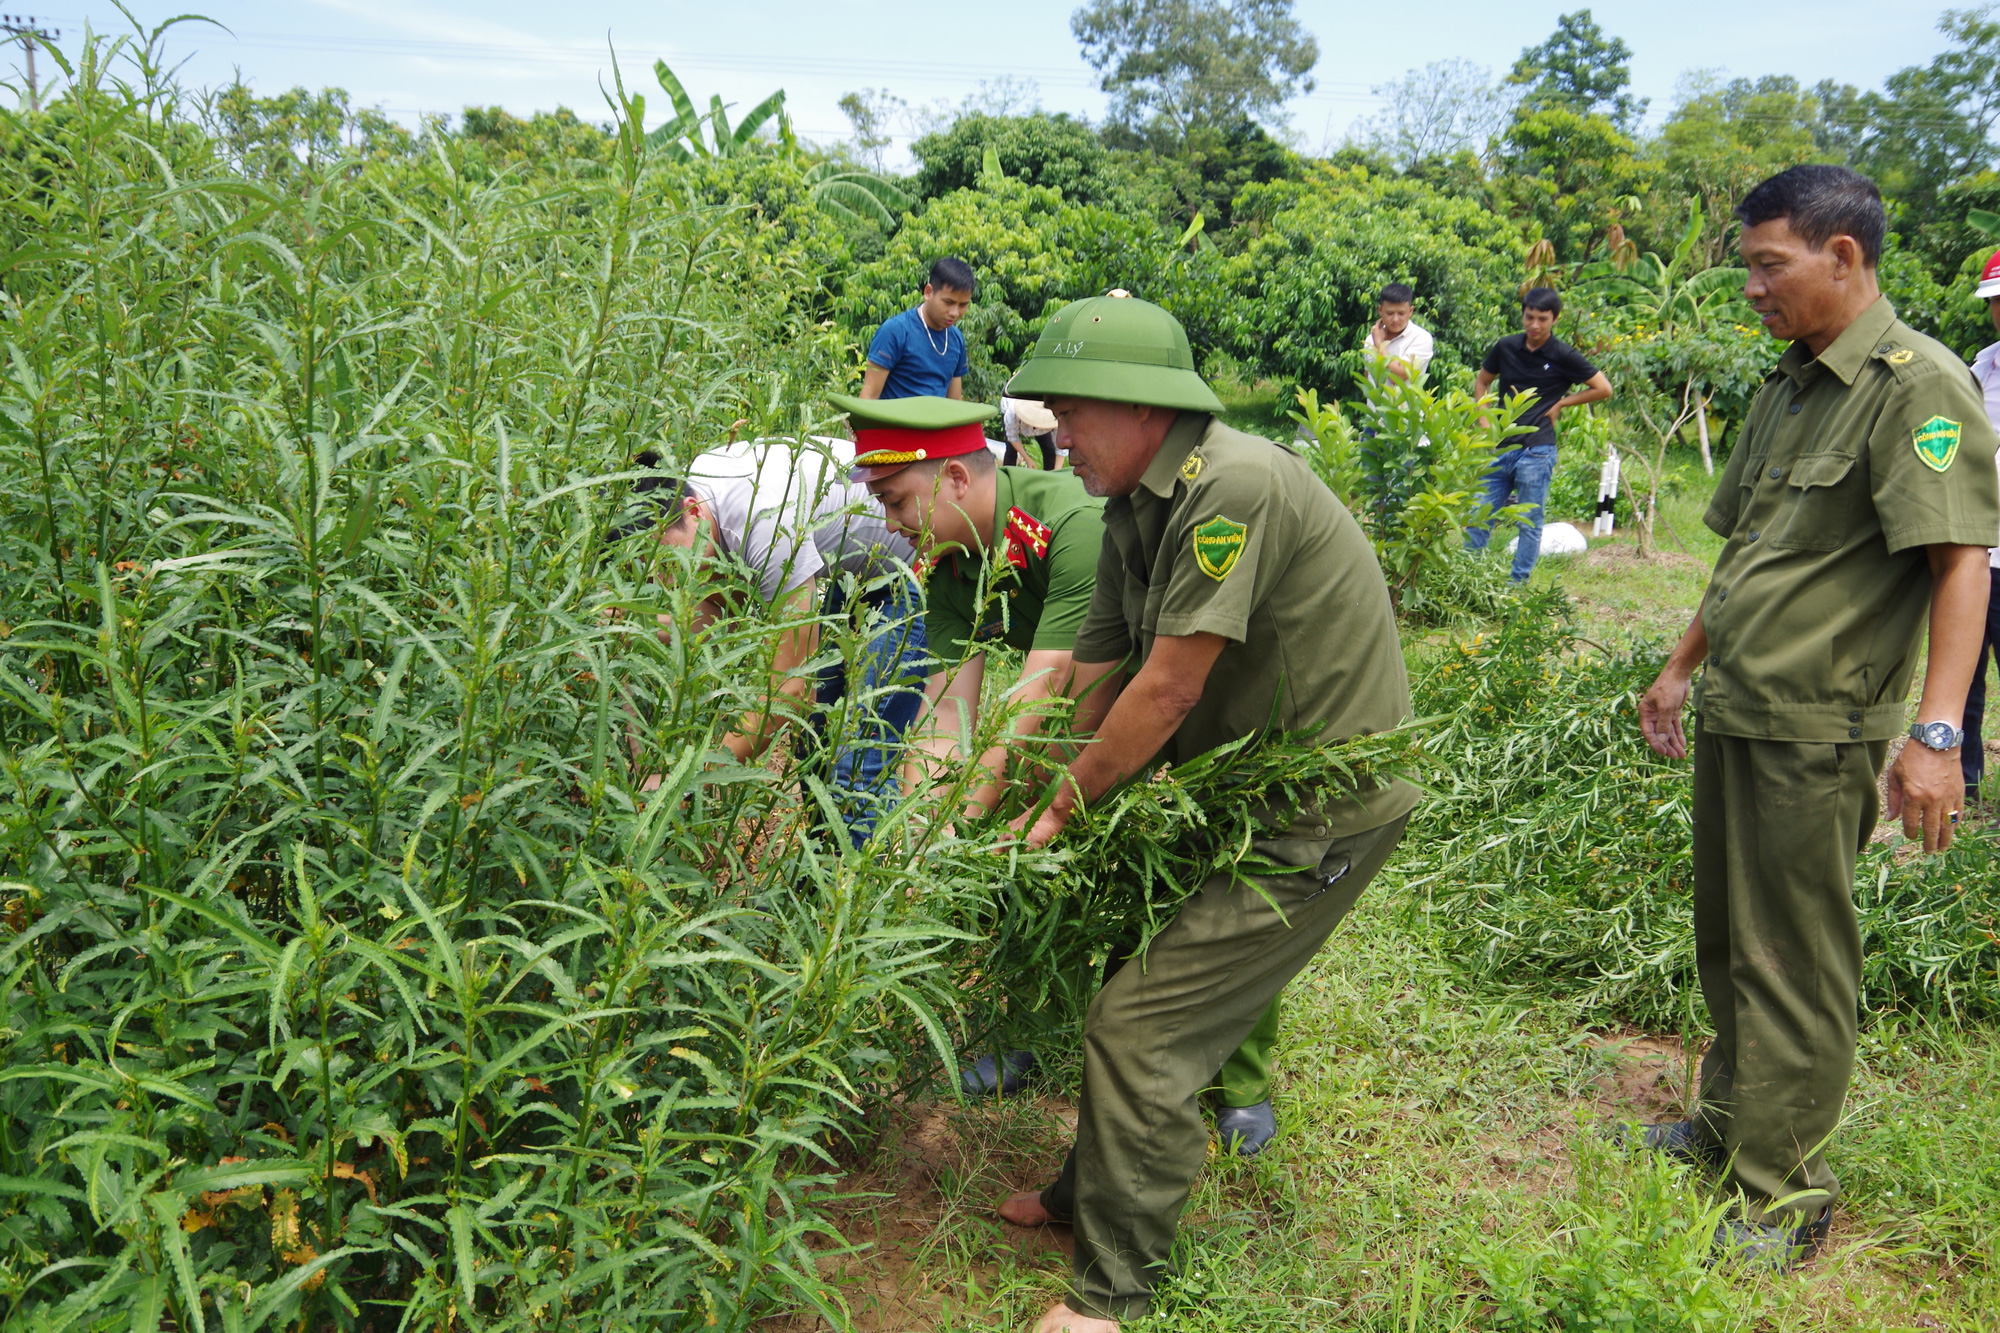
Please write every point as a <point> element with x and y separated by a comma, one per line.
<point>16,26</point>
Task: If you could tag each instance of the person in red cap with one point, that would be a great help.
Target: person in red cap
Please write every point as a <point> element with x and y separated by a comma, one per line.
<point>1985,369</point>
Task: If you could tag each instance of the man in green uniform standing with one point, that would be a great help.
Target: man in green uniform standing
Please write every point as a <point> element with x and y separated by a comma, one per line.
<point>1861,494</point>
<point>1242,595</point>
<point>1012,556</point>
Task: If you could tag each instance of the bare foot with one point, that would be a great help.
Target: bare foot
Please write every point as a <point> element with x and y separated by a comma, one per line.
<point>1062,1319</point>
<point>1025,1210</point>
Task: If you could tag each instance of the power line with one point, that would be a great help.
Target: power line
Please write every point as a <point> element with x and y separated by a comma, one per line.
<point>29,33</point>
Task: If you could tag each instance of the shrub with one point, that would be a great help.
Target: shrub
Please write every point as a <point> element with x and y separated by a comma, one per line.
<point>1410,469</point>
<point>1325,245</point>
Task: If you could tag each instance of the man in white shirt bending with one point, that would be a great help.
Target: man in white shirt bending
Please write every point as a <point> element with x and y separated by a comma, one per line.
<point>784,517</point>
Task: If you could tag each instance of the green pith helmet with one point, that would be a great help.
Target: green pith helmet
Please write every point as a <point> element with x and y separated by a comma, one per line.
<point>1117,348</point>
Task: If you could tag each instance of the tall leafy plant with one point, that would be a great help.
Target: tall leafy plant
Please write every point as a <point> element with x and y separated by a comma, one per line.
<point>1411,468</point>
<point>353,974</point>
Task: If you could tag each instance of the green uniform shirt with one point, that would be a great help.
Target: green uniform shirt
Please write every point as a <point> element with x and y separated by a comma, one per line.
<point>1037,599</point>
<point>1233,535</point>
<point>1848,467</point>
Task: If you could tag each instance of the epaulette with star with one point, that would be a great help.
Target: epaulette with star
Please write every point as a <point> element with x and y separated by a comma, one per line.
<point>1026,535</point>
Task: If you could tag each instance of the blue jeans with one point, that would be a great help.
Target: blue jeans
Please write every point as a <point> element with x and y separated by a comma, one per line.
<point>1519,476</point>
<point>1972,755</point>
<point>887,680</point>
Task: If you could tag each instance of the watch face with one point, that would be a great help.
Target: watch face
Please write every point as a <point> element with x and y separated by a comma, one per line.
<point>1940,735</point>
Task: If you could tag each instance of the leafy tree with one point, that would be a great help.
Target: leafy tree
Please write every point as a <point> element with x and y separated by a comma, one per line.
<point>1445,108</point>
<point>1057,151</point>
<point>1213,167</point>
<point>1682,302</point>
<point>869,112</point>
<point>1323,247</point>
<point>278,137</point>
<point>548,138</point>
<point>1932,124</point>
<point>1722,139</point>
<point>1572,175</point>
<point>857,196</point>
<point>1579,69</point>
<point>1173,65</point>
<point>1413,477</point>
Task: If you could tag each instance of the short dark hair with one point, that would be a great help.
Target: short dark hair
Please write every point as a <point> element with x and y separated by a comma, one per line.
<point>1821,202</point>
<point>1396,293</point>
<point>1542,298</point>
<point>952,273</point>
<point>665,492</point>
<point>979,462</point>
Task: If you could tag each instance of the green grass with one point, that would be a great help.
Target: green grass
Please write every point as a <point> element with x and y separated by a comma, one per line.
<point>1442,1167</point>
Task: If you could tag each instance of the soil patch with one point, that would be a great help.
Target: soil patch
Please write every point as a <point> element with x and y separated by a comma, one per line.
<point>917,1212</point>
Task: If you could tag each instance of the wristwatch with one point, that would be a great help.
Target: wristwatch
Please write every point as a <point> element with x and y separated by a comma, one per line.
<point>1937,735</point>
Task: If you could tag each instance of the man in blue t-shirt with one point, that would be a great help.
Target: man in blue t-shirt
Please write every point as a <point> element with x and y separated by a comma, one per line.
<point>920,353</point>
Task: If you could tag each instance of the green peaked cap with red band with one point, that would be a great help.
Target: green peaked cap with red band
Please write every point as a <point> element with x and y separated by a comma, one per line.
<point>1117,348</point>
<point>892,433</point>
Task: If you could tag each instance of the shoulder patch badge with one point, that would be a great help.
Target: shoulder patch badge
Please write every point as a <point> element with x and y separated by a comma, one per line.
<point>1218,544</point>
<point>1902,356</point>
<point>1192,465</point>
<point>1937,443</point>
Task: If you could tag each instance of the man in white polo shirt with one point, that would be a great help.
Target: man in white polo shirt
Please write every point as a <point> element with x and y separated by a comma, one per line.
<point>1985,369</point>
<point>1394,343</point>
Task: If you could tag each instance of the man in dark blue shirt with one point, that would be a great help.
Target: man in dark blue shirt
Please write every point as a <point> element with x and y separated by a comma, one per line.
<point>920,353</point>
<point>1535,361</point>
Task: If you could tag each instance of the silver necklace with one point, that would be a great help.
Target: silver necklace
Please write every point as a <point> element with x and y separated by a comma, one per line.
<point>941,351</point>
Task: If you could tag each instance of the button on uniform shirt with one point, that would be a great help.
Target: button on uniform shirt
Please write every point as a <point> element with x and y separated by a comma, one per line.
<point>1986,369</point>
<point>1413,347</point>
<point>1232,534</point>
<point>1033,589</point>
<point>1847,468</point>
<point>921,361</point>
<point>787,512</point>
<point>1549,372</point>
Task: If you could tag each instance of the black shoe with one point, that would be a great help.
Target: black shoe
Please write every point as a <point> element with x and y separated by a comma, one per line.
<point>1004,1076</point>
<point>1760,1247</point>
<point>1681,1140</point>
<point>1246,1130</point>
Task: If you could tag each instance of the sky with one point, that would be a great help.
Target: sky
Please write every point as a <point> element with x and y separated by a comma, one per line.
<point>414,56</point>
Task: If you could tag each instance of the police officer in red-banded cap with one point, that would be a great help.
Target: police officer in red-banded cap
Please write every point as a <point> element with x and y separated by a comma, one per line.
<point>1985,369</point>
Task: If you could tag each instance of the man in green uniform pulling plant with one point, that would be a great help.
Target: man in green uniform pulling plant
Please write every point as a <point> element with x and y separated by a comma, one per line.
<point>1861,494</point>
<point>1245,597</point>
<point>1012,555</point>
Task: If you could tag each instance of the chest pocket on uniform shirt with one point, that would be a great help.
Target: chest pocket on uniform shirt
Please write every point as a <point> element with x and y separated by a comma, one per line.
<point>1821,493</point>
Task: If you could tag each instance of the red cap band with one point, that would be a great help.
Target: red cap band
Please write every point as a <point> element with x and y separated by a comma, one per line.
<point>902,445</point>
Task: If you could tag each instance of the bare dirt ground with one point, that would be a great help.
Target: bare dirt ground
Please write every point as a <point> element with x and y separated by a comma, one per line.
<point>932,1180</point>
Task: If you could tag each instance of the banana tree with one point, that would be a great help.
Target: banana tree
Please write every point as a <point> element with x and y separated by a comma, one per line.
<point>853,194</point>
<point>838,187</point>
<point>1674,297</point>
<point>683,138</point>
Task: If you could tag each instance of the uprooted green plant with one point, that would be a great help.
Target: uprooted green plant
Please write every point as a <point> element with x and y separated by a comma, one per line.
<point>1554,854</point>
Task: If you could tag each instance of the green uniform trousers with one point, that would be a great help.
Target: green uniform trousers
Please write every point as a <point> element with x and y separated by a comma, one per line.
<point>1777,828</point>
<point>1245,1077</point>
<point>1157,1035</point>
